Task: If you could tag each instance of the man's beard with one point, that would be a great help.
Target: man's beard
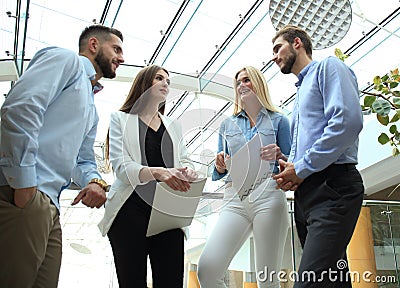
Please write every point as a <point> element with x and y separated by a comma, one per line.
<point>104,65</point>
<point>289,62</point>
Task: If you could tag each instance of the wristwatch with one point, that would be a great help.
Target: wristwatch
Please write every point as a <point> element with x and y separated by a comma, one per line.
<point>103,184</point>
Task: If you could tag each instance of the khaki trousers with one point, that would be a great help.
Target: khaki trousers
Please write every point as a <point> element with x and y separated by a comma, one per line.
<point>30,242</point>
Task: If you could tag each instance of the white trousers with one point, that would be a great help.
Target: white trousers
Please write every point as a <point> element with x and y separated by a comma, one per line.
<point>264,212</point>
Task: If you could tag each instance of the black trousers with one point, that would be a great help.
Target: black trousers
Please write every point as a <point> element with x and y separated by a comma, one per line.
<point>327,206</point>
<point>131,247</point>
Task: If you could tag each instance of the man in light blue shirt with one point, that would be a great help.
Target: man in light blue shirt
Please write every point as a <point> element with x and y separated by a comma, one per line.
<point>48,128</point>
<point>326,122</point>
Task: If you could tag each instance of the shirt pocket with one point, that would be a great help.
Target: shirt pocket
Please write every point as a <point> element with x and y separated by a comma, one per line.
<point>267,136</point>
<point>235,140</point>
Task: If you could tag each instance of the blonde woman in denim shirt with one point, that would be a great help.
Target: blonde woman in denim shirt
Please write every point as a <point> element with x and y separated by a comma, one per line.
<point>264,212</point>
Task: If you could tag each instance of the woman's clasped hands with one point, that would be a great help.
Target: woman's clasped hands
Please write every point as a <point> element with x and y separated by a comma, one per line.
<point>178,179</point>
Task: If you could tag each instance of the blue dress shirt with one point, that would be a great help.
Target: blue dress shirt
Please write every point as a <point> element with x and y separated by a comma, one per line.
<point>326,119</point>
<point>48,125</point>
<point>235,132</point>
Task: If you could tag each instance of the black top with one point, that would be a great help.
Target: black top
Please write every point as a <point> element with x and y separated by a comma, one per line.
<point>158,146</point>
<point>156,151</point>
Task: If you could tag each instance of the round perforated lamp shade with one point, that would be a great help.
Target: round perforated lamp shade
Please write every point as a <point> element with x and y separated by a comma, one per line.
<point>326,21</point>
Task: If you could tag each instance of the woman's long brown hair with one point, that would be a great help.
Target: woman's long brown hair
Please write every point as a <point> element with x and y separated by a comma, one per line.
<point>133,103</point>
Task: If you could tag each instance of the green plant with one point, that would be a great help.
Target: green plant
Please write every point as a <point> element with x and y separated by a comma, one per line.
<point>384,101</point>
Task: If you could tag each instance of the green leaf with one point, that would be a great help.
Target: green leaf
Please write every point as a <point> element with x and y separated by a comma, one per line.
<point>377,80</point>
<point>339,54</point>
<point>383,138</point>
<point>396,100</point>
<point>395,118</point>
<point>393,129</point>
<point>368,100</point>
<point>385,78</point>
<point>381,107</point>
<point>379,87</point>
<point>385,90</point>
<point>384,120</point>
<point>395,152</point>
<point>393,85</point>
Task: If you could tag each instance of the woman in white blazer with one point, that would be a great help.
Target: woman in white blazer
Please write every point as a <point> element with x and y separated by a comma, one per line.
<point>145,147</point>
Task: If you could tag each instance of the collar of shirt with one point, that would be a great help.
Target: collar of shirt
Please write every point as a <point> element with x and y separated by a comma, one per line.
<point>303,73</point>
<point>89,68</point>
<point>262,122</point>
<point>263,112</point>
<point>91,73</point>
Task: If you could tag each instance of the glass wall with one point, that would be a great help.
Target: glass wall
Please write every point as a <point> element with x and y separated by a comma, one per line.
<point>385,218</point>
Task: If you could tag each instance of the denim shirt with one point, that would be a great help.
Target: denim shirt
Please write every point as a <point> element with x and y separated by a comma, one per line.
<point>235,132</point>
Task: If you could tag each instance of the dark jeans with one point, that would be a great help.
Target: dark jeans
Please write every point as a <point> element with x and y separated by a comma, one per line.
<point>131,247</point>
<point>327,205</point>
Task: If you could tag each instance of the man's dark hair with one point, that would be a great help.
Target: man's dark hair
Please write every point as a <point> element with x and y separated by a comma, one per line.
<point>102,33</point>
<point>289,33</point>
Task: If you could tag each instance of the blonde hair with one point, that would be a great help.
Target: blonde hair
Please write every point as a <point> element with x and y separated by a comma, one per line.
<point>260,88</point>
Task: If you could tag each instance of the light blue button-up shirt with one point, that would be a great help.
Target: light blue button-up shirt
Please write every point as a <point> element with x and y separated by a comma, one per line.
<point>48,124</point>
<point>235,132</point>
<point>327,118</point>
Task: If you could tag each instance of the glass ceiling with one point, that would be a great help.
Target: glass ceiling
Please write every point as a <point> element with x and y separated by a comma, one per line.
<point>203,43</point>
<point>208,39</point>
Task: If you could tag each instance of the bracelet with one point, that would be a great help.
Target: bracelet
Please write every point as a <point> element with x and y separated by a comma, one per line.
<point>103,184</point>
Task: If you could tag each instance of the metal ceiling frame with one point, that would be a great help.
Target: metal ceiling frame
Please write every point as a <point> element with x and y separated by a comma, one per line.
<point>169,30</point>
<point>19,61</point>
<point>232,35</point>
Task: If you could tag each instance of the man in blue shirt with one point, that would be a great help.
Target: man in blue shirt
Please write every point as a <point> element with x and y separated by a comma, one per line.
<point>48,128</point>
<point>326,122</point>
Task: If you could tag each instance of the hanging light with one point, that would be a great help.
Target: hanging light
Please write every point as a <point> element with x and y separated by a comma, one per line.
<point>326,21</point>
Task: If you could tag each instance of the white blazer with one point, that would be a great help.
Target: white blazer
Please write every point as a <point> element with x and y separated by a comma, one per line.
<point>126,160</point>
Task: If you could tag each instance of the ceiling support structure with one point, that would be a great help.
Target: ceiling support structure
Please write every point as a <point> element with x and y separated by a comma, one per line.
<point>105,12</point>
<point>373,31</point>
<point>232,35</point>
<point>20,35</point>
<point>169,30</point>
